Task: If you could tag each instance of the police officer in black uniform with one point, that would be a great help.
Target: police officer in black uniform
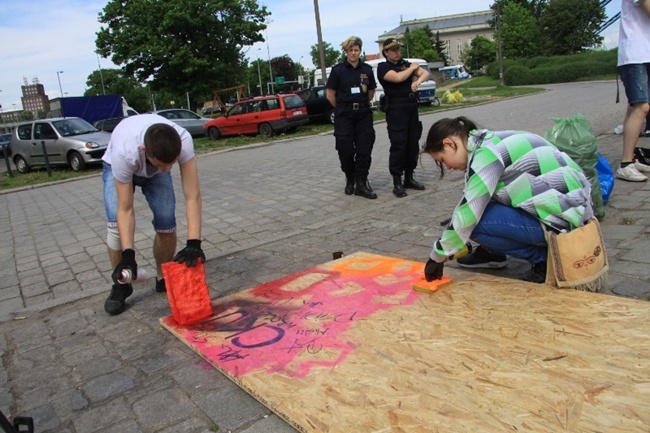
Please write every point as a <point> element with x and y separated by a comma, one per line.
<point>350,88</point>
<point>401,80</point>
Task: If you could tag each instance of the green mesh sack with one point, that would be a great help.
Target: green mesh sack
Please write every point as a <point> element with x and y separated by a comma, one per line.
<point>574,137</point>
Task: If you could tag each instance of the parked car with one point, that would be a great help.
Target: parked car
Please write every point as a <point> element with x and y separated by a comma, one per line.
<point>5,139</point>
<point>185,118</point>
<point>265,115</point>
<point>68,141</point>
<point>108,125</point>
<point>318,107</point>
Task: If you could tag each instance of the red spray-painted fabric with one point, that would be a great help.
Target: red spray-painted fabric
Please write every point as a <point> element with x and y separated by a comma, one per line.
<point>187,292</point>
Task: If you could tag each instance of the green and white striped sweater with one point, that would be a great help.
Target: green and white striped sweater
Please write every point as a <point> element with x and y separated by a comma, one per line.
<point>521,170</point>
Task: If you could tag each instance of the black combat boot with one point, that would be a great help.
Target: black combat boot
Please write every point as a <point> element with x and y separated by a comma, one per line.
<point>410,182</point>
<point>398,188</point>
<point>349,185</point>
<point>116,302</point>
<point>363,189</point>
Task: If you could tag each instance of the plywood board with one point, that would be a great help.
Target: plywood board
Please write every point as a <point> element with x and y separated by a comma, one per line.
<point>349,346</point>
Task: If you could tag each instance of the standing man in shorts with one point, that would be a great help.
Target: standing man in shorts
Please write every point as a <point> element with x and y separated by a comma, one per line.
<point>634,69</point>
<point>141,153</point>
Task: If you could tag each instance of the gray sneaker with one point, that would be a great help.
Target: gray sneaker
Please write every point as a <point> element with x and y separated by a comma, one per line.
<point>483,259</point>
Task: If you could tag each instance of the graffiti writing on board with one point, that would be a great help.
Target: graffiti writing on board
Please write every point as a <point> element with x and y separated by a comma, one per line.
<point>299,322</point>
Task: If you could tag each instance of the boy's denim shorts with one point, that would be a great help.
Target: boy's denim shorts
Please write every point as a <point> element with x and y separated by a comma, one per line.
<point>158,190</point>
<point>636,80</point>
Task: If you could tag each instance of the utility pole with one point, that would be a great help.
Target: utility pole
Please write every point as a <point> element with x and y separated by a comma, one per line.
<point>499,43</point>
<point>321,51</point>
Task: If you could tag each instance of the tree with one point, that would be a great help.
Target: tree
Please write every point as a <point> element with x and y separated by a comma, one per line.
<point>441,49</point>
<point>331,55</point>
<point>571,26</point>
<point>519,32</point>
<point>183,45</point>
<point>480,53</point>
<point>283,66</point>
<point>416,43</point>
<point>114,81</point>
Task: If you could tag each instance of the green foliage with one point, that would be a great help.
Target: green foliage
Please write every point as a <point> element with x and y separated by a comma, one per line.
<point>332,55</point>
<point>519,31</point>
<point>556,27</point>
<point>416,43</point>
<point>441,49</point>
<point>481,52</point>
<point>183,45</point>
<point>571,26</point>
<point>556,69</point>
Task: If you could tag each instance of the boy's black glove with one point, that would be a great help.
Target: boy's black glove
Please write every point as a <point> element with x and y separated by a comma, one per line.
<point>433,270</point>
<point>191,253</point>
<point>126,263</point>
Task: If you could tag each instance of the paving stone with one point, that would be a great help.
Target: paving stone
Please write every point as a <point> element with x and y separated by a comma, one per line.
<point>159,359</point>
<point>269,424</point>
<point>107,386</point>
<point>100,417</point>
<point>44,418</point>
<point>231,409</point>
<point>96,367</point>
<point>78,402</point>
<point>161,409</point>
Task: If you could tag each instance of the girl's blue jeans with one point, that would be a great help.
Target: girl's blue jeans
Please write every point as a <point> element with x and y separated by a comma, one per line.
<point>506,230</point>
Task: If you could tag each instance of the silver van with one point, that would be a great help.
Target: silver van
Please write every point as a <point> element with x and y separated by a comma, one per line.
<point>67,141</point>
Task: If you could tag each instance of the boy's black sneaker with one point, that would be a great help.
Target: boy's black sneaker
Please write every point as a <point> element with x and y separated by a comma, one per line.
<point>483,259</point>
<point>160,285</point>
<point>537,273</point>
<point>116,302</point>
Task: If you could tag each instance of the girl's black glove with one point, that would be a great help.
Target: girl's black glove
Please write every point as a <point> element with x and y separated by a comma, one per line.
<point>433,270</point>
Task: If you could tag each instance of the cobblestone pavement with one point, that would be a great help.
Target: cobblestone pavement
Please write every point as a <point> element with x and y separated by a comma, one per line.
<point>269,210</point>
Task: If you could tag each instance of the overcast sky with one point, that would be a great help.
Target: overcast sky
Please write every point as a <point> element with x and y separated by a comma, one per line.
<point>40,37</point>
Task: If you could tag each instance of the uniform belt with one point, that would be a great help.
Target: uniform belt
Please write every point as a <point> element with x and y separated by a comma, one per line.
<point>356,105</point>
<point>412,97</point>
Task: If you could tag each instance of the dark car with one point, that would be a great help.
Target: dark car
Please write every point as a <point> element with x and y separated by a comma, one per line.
<point>5,139</point>
<point>318,107</point>
<point>108,125</point>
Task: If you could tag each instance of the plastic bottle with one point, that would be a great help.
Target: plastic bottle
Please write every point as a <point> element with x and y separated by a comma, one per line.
<point>128,278</point>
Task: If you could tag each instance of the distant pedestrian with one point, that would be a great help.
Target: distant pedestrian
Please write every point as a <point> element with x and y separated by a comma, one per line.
<point>401,81</point>
<point>141,153</point>
<point>350,88</point>
<point>634,69</point>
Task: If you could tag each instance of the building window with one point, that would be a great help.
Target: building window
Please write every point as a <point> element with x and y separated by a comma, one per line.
<point>459,47</point>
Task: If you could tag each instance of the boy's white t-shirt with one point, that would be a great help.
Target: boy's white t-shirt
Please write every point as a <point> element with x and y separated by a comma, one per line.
<point>124,153</point>
<point>634,34</point>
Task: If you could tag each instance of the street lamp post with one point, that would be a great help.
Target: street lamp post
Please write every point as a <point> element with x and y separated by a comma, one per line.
<point>268,52</point>
<point>58,76</point>
<point>2,114</point>
<point>259,73</point>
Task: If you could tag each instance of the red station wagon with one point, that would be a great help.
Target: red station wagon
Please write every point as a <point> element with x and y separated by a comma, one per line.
<point>263,114</point>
